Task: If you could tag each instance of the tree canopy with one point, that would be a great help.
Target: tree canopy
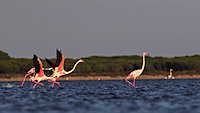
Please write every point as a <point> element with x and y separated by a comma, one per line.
<point>99,64</point>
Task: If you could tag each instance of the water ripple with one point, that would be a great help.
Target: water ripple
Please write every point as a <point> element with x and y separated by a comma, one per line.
<point>155,96</point>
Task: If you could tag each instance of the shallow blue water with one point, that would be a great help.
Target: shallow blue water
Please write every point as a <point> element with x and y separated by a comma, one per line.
<point>149,96</point>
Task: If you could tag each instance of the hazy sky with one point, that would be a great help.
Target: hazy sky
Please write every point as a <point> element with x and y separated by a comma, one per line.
<point>84,28</point>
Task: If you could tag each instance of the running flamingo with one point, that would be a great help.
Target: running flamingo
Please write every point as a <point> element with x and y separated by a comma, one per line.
<point>38,72</point>
<point>137,72</point>
<point>32,71</point>
<point>59,67</point>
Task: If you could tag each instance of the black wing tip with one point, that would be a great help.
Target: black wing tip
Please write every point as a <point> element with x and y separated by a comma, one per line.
<point>50,63</point>
<point>35,56</point>
<point>59,51</point>
<point>47,60</point>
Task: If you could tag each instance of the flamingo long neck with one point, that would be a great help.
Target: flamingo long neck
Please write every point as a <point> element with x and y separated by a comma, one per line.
<point>143,65</point>
<point>68,72</point>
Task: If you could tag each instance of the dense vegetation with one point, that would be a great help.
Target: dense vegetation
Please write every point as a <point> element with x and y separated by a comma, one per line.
<point>115,64</point>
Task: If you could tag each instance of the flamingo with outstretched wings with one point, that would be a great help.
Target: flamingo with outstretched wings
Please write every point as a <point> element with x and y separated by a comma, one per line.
<point>58,68</point>
<point>37,71</point>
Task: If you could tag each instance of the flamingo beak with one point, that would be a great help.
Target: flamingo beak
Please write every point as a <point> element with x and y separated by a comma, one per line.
<point>82,61</point>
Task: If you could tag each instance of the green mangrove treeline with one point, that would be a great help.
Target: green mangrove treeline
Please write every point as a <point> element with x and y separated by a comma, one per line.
<point>99,64</point>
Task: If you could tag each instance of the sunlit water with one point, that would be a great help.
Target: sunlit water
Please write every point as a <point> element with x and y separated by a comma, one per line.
<point>149,96</point>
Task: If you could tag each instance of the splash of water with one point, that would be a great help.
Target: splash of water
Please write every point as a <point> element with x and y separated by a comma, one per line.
<point>7,85</point>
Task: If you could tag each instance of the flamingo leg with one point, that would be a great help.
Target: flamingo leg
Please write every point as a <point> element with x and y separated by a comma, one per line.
<point>55,82</point>
<point>25,79</point>
<point>38,83</point>
<point>41,84</point>
<point>134,82</point>
<point>128,81</point>
<point>50,80</point>
<point>130,76</point>
<point>35,85</point>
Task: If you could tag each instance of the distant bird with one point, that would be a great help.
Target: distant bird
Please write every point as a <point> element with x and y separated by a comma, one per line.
<point>58,68</point>
<point>38,73</point>
<point>137,72</point>
<point>170,74</point>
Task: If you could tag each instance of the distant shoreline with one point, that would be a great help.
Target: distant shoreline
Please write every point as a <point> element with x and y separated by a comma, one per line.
<point>106,77</point>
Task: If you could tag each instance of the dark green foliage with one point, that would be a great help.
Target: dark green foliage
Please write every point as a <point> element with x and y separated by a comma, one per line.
<point>99,64</point>
<point>4,56</point>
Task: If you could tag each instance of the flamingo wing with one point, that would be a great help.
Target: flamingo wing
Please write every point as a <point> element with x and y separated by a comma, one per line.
<point>59,58</point>
<point>50,63</point>
<point>60,61</point>
<point>36,64</point>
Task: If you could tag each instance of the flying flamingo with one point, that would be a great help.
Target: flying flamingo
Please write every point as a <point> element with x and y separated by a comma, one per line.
<point>32,71</point>
<point>59,67</point>
<point>170,74</point>
<point>39,73</point>
<point>137,72</point>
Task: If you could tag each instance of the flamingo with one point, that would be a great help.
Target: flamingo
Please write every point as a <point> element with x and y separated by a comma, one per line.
<point>38,72</point>
<point>59,67</point>
<point>137,72</point>
<point>32,71</point>
<point>170,74</point>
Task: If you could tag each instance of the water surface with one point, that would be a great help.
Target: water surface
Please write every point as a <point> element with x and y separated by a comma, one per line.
<point>104,96</point>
